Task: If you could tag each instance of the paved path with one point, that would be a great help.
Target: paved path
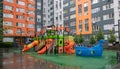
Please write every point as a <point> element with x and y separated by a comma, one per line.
<point>117,66</point>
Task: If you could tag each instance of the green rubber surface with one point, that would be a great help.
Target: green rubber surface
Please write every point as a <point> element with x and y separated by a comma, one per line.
<point>108,58</point>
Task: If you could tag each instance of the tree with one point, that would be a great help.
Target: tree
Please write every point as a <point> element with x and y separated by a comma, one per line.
<point>92,40</point>
<point>76,39</point>
<point>1,20</point>
<point>99,35</point>
<point>112,37</point>
<point>81,38</point>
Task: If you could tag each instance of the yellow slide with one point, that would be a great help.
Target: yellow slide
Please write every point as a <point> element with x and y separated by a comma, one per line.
<point>26,48</point>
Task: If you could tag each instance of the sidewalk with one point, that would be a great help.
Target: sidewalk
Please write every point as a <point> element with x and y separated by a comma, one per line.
<point>117,66</point>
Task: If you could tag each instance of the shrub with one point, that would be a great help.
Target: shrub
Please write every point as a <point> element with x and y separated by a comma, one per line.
<point>6,44</point>
<point>112,37</point>
<point>76,39</point>
<point>92,40</point>
<point>81,39</point>
<point>99,35</point>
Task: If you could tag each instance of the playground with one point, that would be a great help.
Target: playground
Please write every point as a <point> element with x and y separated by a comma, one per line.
<point>50,44</point>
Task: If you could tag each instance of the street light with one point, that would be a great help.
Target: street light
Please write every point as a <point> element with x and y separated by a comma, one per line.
<point>119,30</point>
<point>20,46</point>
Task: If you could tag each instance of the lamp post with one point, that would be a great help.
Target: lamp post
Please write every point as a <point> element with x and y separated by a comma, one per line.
<point>119,30</point>
<point>21,47</point>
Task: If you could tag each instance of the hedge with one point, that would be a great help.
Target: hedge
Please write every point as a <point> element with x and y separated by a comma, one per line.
<point>6,44</point>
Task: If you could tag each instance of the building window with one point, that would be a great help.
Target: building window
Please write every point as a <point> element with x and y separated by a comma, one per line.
<point>108,16</point>
<point>86,12</point>
<point>80,25</point>
<point>56,5</point>
<point>66,18</point>
<point>106,36</point>
<point>9,31</point>
<point>9,1</point>
<point>108,6</point>
<point>95,28</point>
<point>8,7</point>
<point>31,6</point>
<point>30,32</point>
<point>66,4</point>
<point>30,25</point>
<point>86,25</point>
<point>95,10</point>
<point>19,31</point>
<point>20,10</point>
<point>95,1</point>
<point>20,2</point>
<point>38,18</point>
<point>7,15</point>
<point>118,3</point>
<point>72,24</point>
<point>30,18</point>
<point>60,16</point>
<point>39,6</point>
<point>60,4</point>
<point>20,24</point>
<point>96,19</point>
<point>80,10</point>
<point>86,4</point>
<point>65,11</point>
<point>31,12</point>
<point>19,17</point>
<point>72,2</point>
<point>108,26</point>
<point>6,23</point>
<point>72,9</point>
<point>72,16</point>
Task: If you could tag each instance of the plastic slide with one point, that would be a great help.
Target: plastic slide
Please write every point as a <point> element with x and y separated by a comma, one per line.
<point>40,45</point>
<point>27,47</point>
<point>49,42</point>
<point>68,48</point>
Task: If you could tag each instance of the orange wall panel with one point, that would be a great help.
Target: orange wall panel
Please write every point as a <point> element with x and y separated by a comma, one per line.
<point>83,17</point>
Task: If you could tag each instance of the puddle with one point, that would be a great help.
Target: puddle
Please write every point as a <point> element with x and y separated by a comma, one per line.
<point>10,60</point>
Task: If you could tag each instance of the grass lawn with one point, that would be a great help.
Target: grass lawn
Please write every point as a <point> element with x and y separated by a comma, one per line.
<point>108,58</point>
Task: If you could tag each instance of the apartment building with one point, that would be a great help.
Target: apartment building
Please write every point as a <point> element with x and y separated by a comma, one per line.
<point>117,18</point>
<point>58,12</point>
<point>103,16</point>
<point>38,15</point>
<point>19,19</point>
<point>44,14</point>
<point>69,12</point>
<point>83,18</point>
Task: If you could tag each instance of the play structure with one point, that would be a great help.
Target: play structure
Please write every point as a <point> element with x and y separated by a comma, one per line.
<point>96,50</point>
<point>50,40</point>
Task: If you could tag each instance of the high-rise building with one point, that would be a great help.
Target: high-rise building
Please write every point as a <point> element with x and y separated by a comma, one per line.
<point>38,15</point>
<point>83,18</point>
<point>19,19</point>
<point>117,18</point>
<point>103,16</point>
<point>44,13</point>
<point>69,13</point>
<point>58,12</point>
